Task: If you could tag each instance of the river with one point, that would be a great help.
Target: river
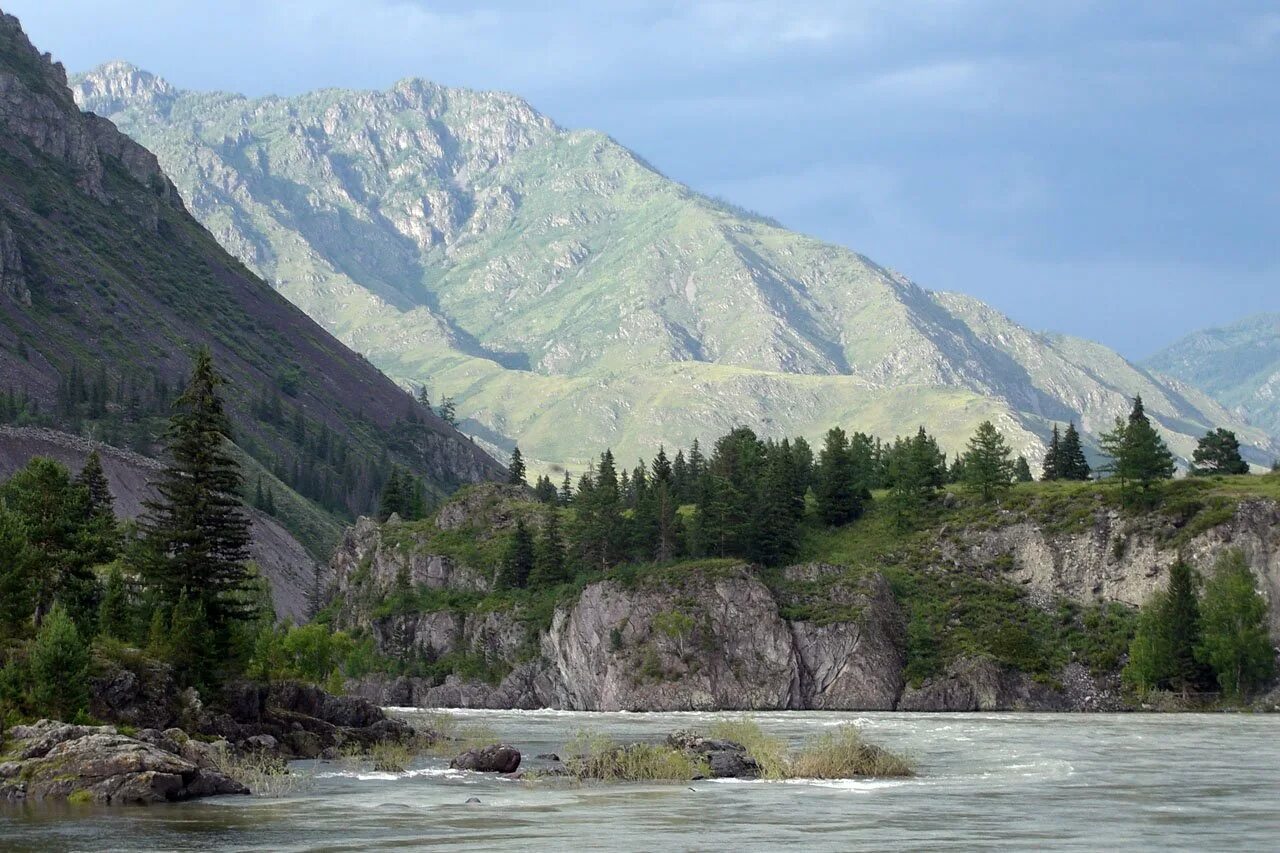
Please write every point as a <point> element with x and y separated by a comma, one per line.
<point>1006,781</point>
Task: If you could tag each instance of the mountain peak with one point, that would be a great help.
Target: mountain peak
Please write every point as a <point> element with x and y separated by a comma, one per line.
<point>114,85</point>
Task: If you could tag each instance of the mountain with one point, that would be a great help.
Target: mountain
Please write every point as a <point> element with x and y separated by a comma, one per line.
<point>1238,365</point>
<point>107,285</point>
<point>570,296</point>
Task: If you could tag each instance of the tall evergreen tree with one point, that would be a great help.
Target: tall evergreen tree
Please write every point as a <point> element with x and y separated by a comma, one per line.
<point>515,468</point>
<point>545,490</point>
<point>840,493</point>
<point>18,562</point>
<point>519,560</point>
<point>94,481</point>
<point>566,490</point>
<point>1071,461</point>
<point>197,524</point>
<point>1218,453</point>
<point>987,466</point>
<point>60,668</point>
<point>549,567</point>
<point>1139,456</point>
<point>1052,468</point>
<point>1234,639</point>
<point>1021,470</point>
<point>114,619</point>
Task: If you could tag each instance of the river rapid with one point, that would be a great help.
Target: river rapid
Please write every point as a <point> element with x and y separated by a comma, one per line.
<point>989,781</point>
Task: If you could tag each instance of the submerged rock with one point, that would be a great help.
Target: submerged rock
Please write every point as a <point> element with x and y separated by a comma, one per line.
<point>56,761</point>
<point>727,759</point>
<point>496,758</point>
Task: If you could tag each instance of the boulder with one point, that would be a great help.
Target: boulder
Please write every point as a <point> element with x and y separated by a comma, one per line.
<point>139,693</point>
<point>97,764</point>
<point>727,759</point>
<point>496,758</point>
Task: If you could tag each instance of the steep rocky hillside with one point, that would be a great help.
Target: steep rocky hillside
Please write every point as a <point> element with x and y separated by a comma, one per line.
<point>570,296</point>
<point>1238,365</point>
<point>282,559</point>
<point>1030,605</point>
<point>107,285</point>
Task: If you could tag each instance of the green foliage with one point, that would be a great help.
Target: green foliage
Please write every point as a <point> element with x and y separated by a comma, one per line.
<point>841,753</point>
<point>597,757</point>
<point>59,667</point>
<point>1139,457</point>
<point>518,563</point>
<point>1163,652</point>
<point>1235,641</point>
<point>842,489</point>
<point>677,628</point>
<point>987,466</point>
<point>1218,452</point>
<point>515,468</point>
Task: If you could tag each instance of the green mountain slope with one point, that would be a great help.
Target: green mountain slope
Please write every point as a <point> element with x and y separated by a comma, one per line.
<point>570,296</point>
<point>1238,365</point>
<point>107,284</point>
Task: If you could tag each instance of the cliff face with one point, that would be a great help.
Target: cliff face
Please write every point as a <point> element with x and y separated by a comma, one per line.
<point>720,635</point>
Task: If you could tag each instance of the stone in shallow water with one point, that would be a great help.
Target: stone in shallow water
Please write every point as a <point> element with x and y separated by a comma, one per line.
<point>495,758</point>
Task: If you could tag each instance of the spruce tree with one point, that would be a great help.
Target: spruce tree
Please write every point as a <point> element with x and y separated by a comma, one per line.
<point>393,499</point>
<point>17,574</point>
<point>1183,617</point>
<point>1052,468</point>
<point>1218,453</point>
<point>839,492</point>
<point>113,616</point>
<point>1021,470</point>
<point>1072,464</point>
<point>549,567</point>
<point>518,562</point>
<point>566,490</point>
<point>94,481</point>
<point>515,468</point>
<point>987,466</point>
<point>197,525</point>
<point>1139,457</point>
<point>545,490</point>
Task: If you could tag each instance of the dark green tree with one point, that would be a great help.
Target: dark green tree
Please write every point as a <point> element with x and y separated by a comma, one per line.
<point>1218,453</point>
<point>1139,457</point>
<point>1052,468</point>
<point>114,615</point>
<point>549,567</point>
<point>1071,461</point>
<point>197,524</point>
<point>518,562</point>
<point>987,466</point>
<point>566,490</point>
<point>515,468</point>
<point>841,494</point>
<point>17,575</point>
<point>545,490</point>
<point>94,481</point>
<point>1021,470</point>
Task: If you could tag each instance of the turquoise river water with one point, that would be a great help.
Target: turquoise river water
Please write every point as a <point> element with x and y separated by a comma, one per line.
<point>986,781</point>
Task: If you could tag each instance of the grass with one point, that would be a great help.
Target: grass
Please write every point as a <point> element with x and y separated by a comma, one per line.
<point>843,754</point>
<point>453,736</point>
<point>598,757</point>
<point>264,774</point>
<point>391,756</point>
<point>769,751</point>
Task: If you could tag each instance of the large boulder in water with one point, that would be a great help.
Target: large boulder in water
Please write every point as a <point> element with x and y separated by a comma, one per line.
<point>496,758</point>
<point>727,759</point>
<point>55,761</point>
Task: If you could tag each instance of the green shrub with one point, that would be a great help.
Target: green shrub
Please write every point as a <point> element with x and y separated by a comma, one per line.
<point>769,751</point>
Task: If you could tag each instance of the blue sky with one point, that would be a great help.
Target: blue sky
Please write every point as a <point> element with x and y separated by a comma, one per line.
<point>1103,169</point>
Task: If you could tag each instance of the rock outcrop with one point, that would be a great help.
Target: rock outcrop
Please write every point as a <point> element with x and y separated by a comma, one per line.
<point>56,761</point>
<point>978,684</point>
<point>496,758</point>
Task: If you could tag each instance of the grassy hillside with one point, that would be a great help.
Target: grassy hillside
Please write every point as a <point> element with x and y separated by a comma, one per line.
<point>562,289</point>
<point>109,285</point>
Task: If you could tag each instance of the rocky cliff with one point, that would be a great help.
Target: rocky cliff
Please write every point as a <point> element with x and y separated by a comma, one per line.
<point>725,635</point>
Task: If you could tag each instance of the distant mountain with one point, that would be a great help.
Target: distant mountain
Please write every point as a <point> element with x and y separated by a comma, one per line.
<point>1239,365</point>
<point>570,296</point>
<point>107,285</point>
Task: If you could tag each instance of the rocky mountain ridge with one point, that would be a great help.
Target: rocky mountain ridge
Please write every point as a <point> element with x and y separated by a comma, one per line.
<point>569,295</point>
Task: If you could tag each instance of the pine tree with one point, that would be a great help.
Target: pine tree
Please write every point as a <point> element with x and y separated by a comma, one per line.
<point>393,500</point>
<point>17,574</point>
<point>60,668</point>
<point>424,397</point>
<point>839,492</point>
<point>1021,470</point>
<point>197,525</point>
<point>448,411</point>
<point>515,468</point>
<point>566,490</point>
<point>1052,468</point>
<point>549,567</point>
<point>94,480</point>
<point>1072,464</point>
<point>1234,639</point>
<point>680,477</point>
<point>1183,618</point>
<point>113,615</point>
<point>987,466</point>
<point>517,565</point>
<point>545,490</point>
<point>1139,457</point>
<point>774,534</point>
<point>1218,453</point>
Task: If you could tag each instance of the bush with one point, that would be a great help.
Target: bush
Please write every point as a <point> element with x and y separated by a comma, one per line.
<point>599,757</point>
<point>391,756</point>
<point>264,774</point>
<point>59,667</point>
<point>842,754</point>
<point>769,751</point>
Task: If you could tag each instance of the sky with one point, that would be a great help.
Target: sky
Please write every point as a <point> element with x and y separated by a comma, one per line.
<point>1104,169</point>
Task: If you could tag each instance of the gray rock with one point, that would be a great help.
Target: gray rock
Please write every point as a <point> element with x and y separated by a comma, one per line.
<point>496,758</point>
<point>978,684</point>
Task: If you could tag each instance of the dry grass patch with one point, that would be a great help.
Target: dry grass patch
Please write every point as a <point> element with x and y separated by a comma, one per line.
<point>264,774</point>
<point>598,757</point>
<point>843,754</point>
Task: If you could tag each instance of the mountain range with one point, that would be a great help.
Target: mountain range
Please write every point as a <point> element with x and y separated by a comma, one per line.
<point>569,296</point>
<point>107,286</point>
<point>1238,364</point>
